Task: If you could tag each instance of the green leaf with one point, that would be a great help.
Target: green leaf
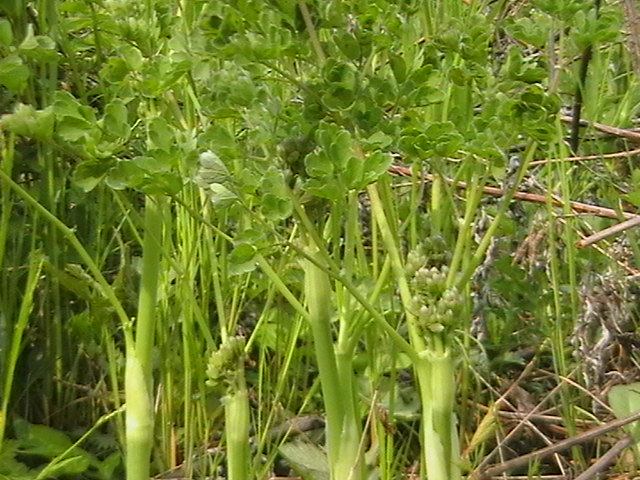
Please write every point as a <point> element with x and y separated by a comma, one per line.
<point>125,174</point>
<point>88,174</point>
<point>14,74</point>
<point>212,170</point>
<point>75,129</point>
<point>353,173</point>
<point>378,140</point>
<point>276,208</point>
<point>241,259</point>
<point>307,459</point>
<point>115,120</point>
<point>325,188</point>
<point>38,47</point>
<point>348,44</point>
<point>29,122</point>
<point>6,32</point>
<point>220,195</point>
<point>317,164</point>
<point>132,57</point>
<point>625,400</point>
<point>160,134</point>
<point>338,98</point>
<point>340,149</point>
<point>42,440</point>
<point>376,165</point>
<point>398,67</point>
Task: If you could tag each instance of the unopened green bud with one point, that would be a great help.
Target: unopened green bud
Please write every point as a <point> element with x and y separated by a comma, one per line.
<point>223,363</point>
<point>415,260</point>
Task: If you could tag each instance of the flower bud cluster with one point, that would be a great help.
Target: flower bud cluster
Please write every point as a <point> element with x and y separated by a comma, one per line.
<point>436,306</point>
<point>226,363</point>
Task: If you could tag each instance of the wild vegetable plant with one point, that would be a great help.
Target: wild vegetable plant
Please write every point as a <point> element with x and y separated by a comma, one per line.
<point>182,179</point>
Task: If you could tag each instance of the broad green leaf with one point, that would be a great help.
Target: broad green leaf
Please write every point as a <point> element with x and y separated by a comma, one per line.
<point>378,140</point>
<point>160,134</point>
<point>317,164</point>
<point>375,165</point>
<point>125,174</point>
<point>132,57</point>
<point>340,149</point>
<point>66,105</point>
<point>167,183</point>
<point>115,122</point>
<point>353,173</point>
<point>306,458</point>
<point>212,170</point>
<point>42,440</point>
<point>241,259</point>
<point>29,122</point>
<point>242,253</point>
<point>274,207</point>
<point>220,195</point>
<point>6,32</point>
<point>88,174</point>
<point>75,129</point>
<point>325,188</point>
<point>625,400</point>
<point>398,67</point>
<point>338,98</point>
<point>14,74</point>
<point>114,70</point>
<point>38,47</point>
<point>348,45</point>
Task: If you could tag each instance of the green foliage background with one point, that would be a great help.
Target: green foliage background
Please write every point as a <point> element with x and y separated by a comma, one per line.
<point>240,115</point>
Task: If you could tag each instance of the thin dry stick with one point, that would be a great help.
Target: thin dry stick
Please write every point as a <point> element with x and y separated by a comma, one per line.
<point>630,135</point>
<point>578,207</point>
<point>607,459</point>
<point>514,431</point>
<point>584,158</point>
<point>558,447</point>
<point>608,232</point>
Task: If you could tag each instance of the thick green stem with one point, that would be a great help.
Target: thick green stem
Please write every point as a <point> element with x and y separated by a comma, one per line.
<point>139,418</point>
<point>138,374</point>
<point>237,429</point>
<point>318,293</point>
<point>434,370</point>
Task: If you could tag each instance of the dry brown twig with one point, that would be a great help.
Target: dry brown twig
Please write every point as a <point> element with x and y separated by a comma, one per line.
<point>558,447</point>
